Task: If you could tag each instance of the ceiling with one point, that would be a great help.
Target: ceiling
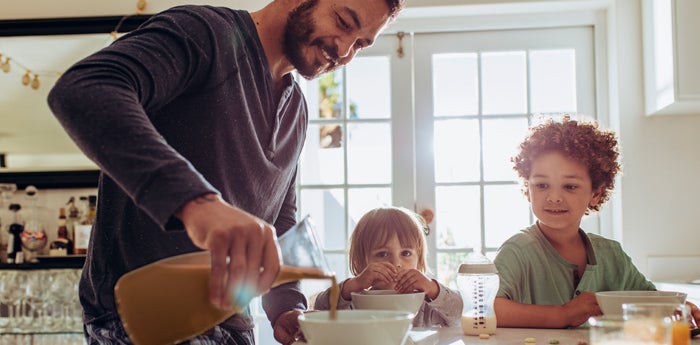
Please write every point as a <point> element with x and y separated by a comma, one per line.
<point>28,127</point>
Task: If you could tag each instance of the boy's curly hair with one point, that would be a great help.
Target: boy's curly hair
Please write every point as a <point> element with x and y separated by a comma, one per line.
<point>582,141</point>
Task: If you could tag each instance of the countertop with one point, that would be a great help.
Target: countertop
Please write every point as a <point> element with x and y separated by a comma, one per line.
<point>503,336</point>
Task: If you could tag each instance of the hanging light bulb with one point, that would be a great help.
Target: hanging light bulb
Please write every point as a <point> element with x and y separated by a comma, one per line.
<point>114,35</point>
<point>35,82</point>
<point>26,78</point>
<point>140,6</point>
<point>5,66</point>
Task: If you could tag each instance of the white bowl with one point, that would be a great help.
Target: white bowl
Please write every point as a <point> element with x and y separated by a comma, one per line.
<point>610,302</point>
<point>353,327</point>
<point>388,300</point>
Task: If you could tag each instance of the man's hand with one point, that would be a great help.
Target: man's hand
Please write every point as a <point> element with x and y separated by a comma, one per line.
<point>245,258</point>
<point>286,329</point>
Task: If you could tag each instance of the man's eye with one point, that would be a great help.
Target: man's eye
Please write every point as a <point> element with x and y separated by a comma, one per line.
<point>343,24</point>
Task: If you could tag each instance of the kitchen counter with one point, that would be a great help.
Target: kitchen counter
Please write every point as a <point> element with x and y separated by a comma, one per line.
<point>503,336</point>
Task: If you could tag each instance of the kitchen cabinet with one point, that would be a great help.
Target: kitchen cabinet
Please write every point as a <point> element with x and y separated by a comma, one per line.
<point>671,56</point>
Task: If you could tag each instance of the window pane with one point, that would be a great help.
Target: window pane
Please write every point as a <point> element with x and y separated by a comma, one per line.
<point>456,150</point>
<point>458,220</point>
<point>361,200</point>
<point>369,153</point>
<point>499,201</point>
<point>321,162</point>
<point>501,139</point>
<point>553,80</point>
<point>448,265</point>
<point>330,95</point>
<point>369,102</point>
<point>327,209</point>
<point>455,84</point>
<point>504,81</point>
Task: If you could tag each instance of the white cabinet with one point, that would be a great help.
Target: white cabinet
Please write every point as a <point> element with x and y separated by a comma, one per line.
<point>671,31</point>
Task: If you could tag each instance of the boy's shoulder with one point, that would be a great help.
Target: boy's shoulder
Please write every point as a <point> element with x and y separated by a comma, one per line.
<point>600,240</point>
<point>524,238</point>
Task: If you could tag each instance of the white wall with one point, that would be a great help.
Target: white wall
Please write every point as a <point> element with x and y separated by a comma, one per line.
<point>658,191</point>
<point>660,155</point>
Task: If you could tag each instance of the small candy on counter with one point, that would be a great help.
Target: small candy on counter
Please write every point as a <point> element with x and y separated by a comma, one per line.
<point>484,336</point>
<point>530,340</point>
<point>554,341</point>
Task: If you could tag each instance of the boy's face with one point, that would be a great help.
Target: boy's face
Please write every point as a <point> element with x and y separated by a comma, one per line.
<point>559,191</point>
<point>322,35</point>
<point>394,253</point>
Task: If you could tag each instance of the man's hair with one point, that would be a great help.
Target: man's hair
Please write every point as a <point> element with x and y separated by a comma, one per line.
<point>582,141</point>
<point>395,7</point>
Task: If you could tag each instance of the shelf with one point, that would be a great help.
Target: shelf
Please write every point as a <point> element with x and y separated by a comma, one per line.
<point>49,262</point>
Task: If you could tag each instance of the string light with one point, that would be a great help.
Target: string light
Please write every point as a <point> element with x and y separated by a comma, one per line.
<point>31,79</point>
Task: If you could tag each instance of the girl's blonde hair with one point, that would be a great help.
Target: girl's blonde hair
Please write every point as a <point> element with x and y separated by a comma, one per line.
<point>377,226</point>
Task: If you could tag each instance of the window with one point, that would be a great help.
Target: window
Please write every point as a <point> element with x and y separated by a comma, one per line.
<point>436,129</point>
<point>476,95</point>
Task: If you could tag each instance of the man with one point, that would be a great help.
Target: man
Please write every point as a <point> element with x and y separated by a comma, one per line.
<point>197,125</point>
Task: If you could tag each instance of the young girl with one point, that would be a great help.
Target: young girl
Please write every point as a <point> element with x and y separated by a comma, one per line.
<point>387,251</point>
<point>550,271</point>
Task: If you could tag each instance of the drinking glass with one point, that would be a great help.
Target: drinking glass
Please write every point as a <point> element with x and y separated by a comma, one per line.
<point>679,315</point>
<point>616,330</point>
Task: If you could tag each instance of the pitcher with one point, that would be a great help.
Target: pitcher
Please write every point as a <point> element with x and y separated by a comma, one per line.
<point>172,295</point>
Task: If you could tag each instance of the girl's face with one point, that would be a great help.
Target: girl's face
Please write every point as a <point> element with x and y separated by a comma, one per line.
<point>560,191</point>
<point>394,253</point>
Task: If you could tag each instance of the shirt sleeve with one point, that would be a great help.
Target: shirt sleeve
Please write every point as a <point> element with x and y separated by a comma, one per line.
<point>283,298</point>
<point>510,271</point>
<point>103,102</point>
<point>323,299</point>
<point>445,310</point>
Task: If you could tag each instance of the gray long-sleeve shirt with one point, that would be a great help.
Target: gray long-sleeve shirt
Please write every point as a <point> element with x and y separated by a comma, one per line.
<point>180,107</point>
<point>445,310</point>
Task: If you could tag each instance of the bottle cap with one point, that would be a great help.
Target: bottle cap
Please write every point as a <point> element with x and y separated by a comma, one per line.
<point>485,268</point>
<point>477,263</point>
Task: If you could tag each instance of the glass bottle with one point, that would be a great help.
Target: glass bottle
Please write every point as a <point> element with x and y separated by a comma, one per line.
<point>83,227</point>
<point>478,283</point>
<point>15,229</point>
<point>63,245</point>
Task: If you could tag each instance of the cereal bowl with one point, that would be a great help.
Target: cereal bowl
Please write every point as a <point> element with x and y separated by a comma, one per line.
<point>611,302</point>
<point>388,300</point>
<point>353,327</point>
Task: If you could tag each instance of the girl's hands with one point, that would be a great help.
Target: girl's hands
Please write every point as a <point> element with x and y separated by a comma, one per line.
<point>377,275</point>
<point>411,280</point>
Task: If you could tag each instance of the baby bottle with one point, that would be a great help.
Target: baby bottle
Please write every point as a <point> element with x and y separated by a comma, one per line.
<point>478,281</point>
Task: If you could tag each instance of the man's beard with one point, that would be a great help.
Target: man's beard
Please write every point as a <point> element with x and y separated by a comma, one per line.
<point>297,35</point>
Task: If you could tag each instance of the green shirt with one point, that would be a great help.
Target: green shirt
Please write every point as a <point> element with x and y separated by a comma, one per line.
<point>531,271</point>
